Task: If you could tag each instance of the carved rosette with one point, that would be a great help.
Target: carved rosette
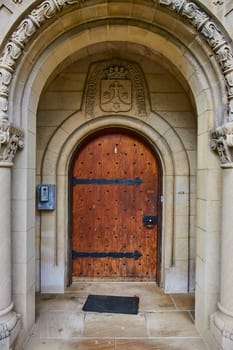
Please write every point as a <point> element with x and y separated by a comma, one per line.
<point>11,139</point>
<point>213,35</point>
<point>222,142</point>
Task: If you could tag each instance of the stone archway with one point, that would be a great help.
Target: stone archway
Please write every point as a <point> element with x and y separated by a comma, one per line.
<point>188,56</point>
<point>197,16</point>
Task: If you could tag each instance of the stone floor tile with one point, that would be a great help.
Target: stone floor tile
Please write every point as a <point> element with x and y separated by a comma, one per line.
<point>162,323</point>
<point>161,344</point>
<point>114,325</point>
<point>59,324</point>
<point>170,324</point>
<point>184,301</point>
<point>150,303</point>
<point>45,344</point>
<point>59,302</point>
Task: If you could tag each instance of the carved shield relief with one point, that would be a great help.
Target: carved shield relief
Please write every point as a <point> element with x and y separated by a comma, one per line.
<point>116,95</point>
<point>116,86</point>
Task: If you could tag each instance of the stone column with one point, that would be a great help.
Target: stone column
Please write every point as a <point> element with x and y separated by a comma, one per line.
<point>222,320</point>
<point>10,139</point>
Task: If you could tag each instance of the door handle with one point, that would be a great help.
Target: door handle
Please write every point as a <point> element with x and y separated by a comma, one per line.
<point>149,221</point>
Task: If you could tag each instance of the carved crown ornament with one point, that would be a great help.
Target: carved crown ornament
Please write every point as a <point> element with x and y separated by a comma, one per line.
<point>116,90</point>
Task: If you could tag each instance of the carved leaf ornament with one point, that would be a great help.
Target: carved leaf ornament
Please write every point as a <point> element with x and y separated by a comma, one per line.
<point>18,40</point>
<point>11,139</point>
<point>207,27</point>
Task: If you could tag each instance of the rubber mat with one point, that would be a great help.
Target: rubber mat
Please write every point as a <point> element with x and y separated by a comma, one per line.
<point>112,304</point>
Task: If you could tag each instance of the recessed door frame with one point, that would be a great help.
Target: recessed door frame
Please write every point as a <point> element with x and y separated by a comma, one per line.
<point>174,271</point>
<point>160,176</point>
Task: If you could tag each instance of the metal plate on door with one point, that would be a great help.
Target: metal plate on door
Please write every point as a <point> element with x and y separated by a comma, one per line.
<point>149,220</point>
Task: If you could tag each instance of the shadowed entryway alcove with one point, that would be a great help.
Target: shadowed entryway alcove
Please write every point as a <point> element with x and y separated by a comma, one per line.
<point>172,136</point>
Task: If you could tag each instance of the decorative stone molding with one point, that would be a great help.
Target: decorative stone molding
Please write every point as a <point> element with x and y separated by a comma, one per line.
<point>48,9</point>
<point>11,138</point>
<point>222,142</point>
<point>10,323</point>
<point>222,329</point>
<point>122,89</point>
<point>18,1</point>
<point>18,40</point>
<point>4,332</point>
<point>213,35</point>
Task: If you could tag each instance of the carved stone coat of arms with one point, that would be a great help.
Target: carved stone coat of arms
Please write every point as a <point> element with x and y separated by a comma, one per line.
<point>115,86</point>
<point>116,91</point>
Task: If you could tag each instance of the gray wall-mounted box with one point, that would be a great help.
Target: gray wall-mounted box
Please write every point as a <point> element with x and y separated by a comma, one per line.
<point>46,197</point>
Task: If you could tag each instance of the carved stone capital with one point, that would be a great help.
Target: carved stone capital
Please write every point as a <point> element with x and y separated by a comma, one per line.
<point>11,138</point>
<point>222,142</point>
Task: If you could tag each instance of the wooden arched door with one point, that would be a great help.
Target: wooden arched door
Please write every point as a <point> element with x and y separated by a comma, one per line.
<point>115,208</point>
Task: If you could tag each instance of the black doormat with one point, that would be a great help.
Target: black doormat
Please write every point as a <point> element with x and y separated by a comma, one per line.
<point>111,304</point>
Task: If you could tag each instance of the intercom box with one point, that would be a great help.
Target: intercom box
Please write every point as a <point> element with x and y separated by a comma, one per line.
<point>46,197</point>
